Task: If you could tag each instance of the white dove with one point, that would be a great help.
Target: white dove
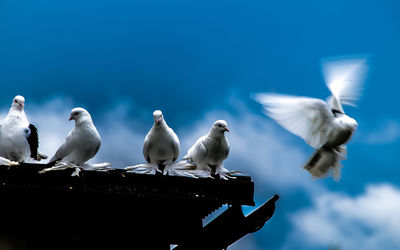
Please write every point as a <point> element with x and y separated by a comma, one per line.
<point>323,125</point>
<point>161,144</point>
<point>82,143</point>
<point>19,140</point>
<point>211,150</point>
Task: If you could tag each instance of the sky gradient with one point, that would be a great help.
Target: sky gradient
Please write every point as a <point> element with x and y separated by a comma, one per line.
<point>199,61</point>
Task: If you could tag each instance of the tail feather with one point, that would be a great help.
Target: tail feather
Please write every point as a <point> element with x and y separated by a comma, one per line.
<point>184,164</point>
<point>323,161</point>
<point>63,166</point>
<point>7,162</point>
<point>101,167</point>
<point>143,168</point>
<point>41,156</point>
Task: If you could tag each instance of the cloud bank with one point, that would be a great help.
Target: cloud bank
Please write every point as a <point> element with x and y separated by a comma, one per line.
<point>336,220</point>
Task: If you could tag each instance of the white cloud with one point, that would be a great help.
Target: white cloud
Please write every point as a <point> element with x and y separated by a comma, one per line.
<point>368,221</point>
<point>122,137</point>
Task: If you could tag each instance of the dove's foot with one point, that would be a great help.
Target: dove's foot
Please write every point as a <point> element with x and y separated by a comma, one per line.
<point>224,173</point>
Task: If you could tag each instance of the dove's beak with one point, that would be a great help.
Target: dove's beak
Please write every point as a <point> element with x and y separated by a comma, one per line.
<point>227,129</point>
<point>70,118</point>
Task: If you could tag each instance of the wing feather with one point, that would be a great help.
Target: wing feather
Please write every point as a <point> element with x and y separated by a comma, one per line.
<point>198,151</point>
<point>64,150</point>
<point>344,78</point>
<point>309,118</point>
<point>33,141</point>
<point>146,146</point>
<point>175,144</point>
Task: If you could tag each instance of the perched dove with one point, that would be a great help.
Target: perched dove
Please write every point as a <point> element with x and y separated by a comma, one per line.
<point>211,150</point>
<point>323,125</point>
<point>19,140</point>
<point>82,143</point>
<point>161,145</point>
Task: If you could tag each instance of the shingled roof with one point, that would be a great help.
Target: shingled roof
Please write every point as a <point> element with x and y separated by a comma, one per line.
<point>113,209</point>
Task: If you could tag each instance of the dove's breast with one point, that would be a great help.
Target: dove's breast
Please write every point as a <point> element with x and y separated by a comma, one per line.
<point>161,147</point>
<point>217,151</point>
<point>339,136</point>
<point>13,142</point>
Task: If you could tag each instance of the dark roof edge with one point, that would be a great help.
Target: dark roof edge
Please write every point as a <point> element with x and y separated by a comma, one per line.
<point>230,226</point>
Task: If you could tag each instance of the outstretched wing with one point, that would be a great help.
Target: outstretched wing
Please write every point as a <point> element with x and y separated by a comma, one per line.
<point>309,118</point>
<point>344,78</point>
<point>33,141</point>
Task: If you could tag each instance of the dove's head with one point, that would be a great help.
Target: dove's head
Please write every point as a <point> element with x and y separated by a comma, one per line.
<point>348,123</point>
<point>157,116</point>
<point>80,115</point>
<point>219,127</point>
<point>18,102</point>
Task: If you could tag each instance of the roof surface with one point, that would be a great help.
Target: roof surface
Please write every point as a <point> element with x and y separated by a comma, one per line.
<point>130,206</point>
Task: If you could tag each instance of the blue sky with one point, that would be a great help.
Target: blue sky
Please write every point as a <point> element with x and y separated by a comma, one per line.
<point>199,61</point>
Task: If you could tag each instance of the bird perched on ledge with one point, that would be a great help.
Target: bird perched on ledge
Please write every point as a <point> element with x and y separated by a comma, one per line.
<point>205,157</point>
<point>161,144</point>
<point>19,139</point>
<point>323,125</point>
<point>82,143</point>
<point>160,149</point>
